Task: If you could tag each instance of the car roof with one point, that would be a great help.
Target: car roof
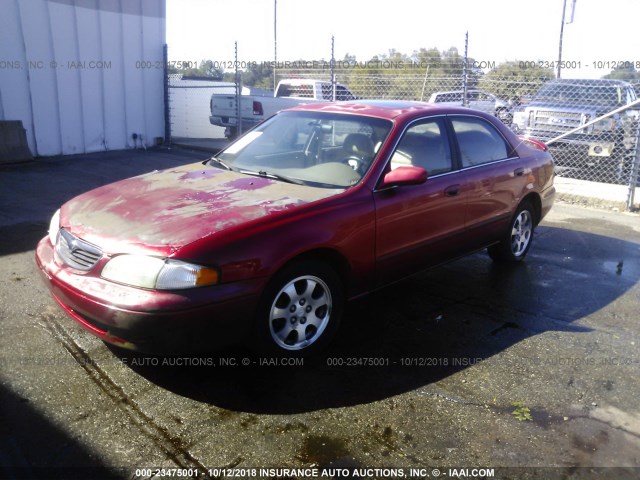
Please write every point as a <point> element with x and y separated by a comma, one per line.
<point>301,81</point>
<point>458,91</point>
<point>389,109</point>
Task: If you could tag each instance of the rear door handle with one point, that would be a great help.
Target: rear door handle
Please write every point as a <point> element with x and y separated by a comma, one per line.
<point>452,190</point>
<point>518,172</point>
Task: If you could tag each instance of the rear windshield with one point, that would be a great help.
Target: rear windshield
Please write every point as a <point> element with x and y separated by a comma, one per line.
<point>303,91</point>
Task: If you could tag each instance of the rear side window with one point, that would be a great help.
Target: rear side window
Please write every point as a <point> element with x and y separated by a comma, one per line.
<point>479,141</point>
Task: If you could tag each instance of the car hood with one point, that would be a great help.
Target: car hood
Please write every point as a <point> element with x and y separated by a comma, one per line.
<point>165,210</point>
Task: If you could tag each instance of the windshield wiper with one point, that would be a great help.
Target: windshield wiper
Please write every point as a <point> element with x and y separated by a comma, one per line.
<point>260,173</point>
<point>217,161</point>
<point>275,176</point>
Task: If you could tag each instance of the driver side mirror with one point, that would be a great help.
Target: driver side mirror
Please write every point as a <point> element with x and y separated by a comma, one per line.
<point>407,175</point>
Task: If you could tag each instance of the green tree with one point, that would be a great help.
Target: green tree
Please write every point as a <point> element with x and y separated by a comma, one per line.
<point>515,79</point>
<point>259,75</point>
<point>625,72</point>
<point>429,58</point>
<point>396,75</point>
<point>207,69</point>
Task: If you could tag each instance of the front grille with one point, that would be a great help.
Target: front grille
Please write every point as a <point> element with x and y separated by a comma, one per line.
<point>77,253</point>
<point>551,121</point>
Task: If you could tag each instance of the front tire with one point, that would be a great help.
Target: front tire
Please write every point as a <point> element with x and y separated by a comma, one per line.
<point>517,241</point>
<point>300,310</point>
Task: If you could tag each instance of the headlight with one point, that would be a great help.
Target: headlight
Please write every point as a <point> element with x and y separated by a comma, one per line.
<point>54,228</point>
<point>158,273</point>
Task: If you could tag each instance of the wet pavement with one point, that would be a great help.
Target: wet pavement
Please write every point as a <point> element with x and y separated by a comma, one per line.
<point>470,365</point>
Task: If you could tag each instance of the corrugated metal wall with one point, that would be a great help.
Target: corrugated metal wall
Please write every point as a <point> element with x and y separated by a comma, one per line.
<point>83,75</point>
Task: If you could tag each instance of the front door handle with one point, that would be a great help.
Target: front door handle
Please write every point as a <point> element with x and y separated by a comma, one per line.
<point>518,172</point>
<point>452,190</point>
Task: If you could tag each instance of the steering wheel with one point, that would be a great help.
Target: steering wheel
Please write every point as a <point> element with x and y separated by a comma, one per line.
<point>355,162</point>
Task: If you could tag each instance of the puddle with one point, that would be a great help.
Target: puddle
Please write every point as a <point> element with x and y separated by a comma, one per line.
<point>624,267</point>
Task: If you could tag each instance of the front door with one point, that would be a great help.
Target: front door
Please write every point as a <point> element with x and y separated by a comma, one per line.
<point>418,226</point>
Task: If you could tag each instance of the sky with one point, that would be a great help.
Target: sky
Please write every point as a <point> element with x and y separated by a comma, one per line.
<point>603,32</point>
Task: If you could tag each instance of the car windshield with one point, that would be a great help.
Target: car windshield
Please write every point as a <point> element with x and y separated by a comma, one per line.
<point>313,148</point>
<point>581,94</point>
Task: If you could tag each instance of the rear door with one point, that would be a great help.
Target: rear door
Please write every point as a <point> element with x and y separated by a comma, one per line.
<point>492,176</point>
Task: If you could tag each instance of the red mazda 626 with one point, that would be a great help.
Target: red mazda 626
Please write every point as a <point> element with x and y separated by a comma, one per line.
<point>266,241</point>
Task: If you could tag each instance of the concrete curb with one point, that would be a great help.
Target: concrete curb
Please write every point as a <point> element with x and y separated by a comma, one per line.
<point>594,194</point>
<point>594,202</point>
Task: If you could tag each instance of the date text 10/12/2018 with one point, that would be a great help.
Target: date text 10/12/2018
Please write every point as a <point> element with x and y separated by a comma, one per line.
<point>577,64</point>
<point>402,362</point>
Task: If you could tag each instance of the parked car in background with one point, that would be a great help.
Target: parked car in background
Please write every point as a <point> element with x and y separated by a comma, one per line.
<point>563,105</point>
<point>254,109</point>
<point>267,241</point>
<point>478,100</point>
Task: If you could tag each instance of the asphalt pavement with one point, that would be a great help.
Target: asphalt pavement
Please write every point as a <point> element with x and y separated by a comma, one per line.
<point>530,370</point>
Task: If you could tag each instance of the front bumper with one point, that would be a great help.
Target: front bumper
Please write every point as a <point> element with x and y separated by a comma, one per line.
<point>187,321</point>
<point>584,145</point>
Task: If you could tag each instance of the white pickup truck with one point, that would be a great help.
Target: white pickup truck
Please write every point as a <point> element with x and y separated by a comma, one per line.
<point>254,109</point>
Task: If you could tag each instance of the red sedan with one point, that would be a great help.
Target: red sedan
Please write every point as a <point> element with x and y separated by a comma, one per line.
<point>265,242</point>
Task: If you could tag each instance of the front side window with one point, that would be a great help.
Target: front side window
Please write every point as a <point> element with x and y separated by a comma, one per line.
<point>479,141</point>
<point>424,145</point>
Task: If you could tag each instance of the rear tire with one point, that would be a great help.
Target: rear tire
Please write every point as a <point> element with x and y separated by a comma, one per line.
<point>300,310</point>
<point>231,133</point>
<point>515,244</point>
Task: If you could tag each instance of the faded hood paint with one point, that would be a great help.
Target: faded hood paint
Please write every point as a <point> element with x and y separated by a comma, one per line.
<point>165,210</point>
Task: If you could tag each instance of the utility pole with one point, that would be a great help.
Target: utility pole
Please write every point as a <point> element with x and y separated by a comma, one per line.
<point>564,11</point>
<point>465,101</point>
<point>275,41</point>
<point>333,71</point>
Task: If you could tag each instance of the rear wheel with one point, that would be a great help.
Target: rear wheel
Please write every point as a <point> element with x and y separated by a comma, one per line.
<point>231,133</point>
<point>505,116</point>
<point>517,241</point>
<point>300,310</point>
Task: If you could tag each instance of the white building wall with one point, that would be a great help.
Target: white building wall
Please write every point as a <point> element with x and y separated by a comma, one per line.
<point>71,70</point>
<point>16,101</point>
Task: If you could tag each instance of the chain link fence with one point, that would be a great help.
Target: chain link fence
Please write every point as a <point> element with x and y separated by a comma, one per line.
<point>188,101</point>
<point>590,126</point>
